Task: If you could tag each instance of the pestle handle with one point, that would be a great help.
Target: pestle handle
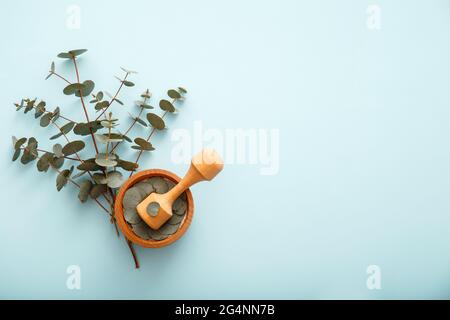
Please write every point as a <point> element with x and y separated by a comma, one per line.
<point>205,165</point>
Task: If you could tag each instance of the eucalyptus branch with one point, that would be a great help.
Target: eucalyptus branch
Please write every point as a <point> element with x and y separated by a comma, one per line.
<point>45,151</point>
<point>60,76</point>
<point>105,170</point>
<point>77,185</point>
<point>144,101</point>
<point>114,97</point>
<point>148,139</point>
<point>84,106</point>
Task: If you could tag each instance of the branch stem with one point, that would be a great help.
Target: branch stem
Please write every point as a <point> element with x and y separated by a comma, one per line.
<point>84,106</point>
<point>113,98</point>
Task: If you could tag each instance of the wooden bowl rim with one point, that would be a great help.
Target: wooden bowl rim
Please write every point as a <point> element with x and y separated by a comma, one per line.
<point>126,230</point>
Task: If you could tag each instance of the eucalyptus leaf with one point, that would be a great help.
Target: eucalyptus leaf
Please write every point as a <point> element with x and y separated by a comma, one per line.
<point>79,174</point>
<point>85,189</point>
<point>99,178</point>
<point>16,155</point>
<point>140,121</point>
<point>29,106</point>
<point>101,105</point>
<point>114,179</point>
<point>40,109</point>
<point>182,90</point>
<point>131,216</point>
<point>52,67</point>
<point>55,114</point>
<point>174,94</point>
<point>71,54</point>
<point>63,178</point>
<point>45,119</point>
<point>73,147</point>
<point>97,190</point>
<point>18,144</point>
<point>89,165</point>
<point>118,101</point>
<point>72,88</point>
<point>127,165</point>
<point>166,106</point>
<point>156,121</point>
<point>88,87</point>
<point>44,162</point>
<point>56,136</point>
<point>57,162</point>
<point>84,129</point>
<point>144,144</point>
<point>57,150</point>
<point>67,127</point>
<point>128,71</point>
<point>128,83</point>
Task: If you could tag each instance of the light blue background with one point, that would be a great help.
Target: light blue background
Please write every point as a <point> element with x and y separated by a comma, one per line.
<point>364,148</point>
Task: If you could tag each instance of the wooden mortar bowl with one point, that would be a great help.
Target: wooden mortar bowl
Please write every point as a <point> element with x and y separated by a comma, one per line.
<point>128,232</point>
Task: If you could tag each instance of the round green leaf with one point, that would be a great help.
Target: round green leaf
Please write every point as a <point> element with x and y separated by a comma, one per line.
<point>88,87</point>
<point>85,189</point>
<point>166,105</point>
<point>156,121</point>
<point>114,179</point>
<point>128,83</point>
<point>63,178</point>
<point>174,94</point>
<point>127,165</point>
<point>73,147</point>
<point>71,54</point>
<point>144,144</point>
<point>72,88</point>
<point>97,190</point>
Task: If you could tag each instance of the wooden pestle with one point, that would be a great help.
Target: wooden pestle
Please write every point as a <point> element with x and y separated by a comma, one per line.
<point>156,209</point>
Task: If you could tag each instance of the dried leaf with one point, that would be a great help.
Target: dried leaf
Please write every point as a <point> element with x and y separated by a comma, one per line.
<point>44,162</point>
<point>89,165</point>
<point>72,88</point>
<point>71,54</point>
<point>18,144</point>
